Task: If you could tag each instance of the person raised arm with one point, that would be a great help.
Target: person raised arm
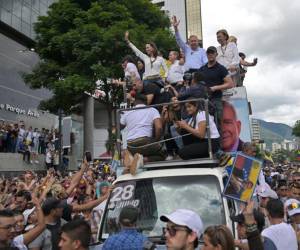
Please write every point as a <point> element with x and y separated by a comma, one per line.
<point>77,177</point>
<point>253,235</point>
<point>91,204</point>
<point>138,53</point>
<point>248,64</point>
<point>179,40</point>
<point>41,225</point>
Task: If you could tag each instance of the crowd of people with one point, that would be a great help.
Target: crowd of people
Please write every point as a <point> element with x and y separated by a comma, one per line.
<point>19,138</point>
<point>63,211</point>
<point>58,211</point>
<point>36,208</point>
<point>189,74</point>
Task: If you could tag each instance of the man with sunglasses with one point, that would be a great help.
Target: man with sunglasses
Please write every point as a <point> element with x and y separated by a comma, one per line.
<point>7,228</point>
<point>183,229</point>
<point>282,190</point>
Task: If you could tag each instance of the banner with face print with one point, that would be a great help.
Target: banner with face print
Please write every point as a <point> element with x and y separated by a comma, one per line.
<point>236,123</point>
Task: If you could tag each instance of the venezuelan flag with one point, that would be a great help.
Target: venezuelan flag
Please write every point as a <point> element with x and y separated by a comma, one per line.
<point>251,169</point>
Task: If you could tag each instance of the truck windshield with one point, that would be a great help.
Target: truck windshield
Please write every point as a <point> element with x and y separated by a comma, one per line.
<point>154,197</point>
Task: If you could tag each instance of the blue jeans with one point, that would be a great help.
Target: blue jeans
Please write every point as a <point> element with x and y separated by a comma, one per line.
<point>174,133</point>
<point>157,81</point>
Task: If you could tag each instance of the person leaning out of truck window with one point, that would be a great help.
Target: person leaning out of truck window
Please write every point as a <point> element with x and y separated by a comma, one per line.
<point>195,138</point>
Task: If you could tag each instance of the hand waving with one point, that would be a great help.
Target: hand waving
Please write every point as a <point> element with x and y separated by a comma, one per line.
<point>175,22</point>
<point>126,36</point>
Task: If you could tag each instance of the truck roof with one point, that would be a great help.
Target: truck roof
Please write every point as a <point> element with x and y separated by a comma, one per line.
<point>176,168</point>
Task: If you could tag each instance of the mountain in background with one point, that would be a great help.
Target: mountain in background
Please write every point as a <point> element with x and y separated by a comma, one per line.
<point>274,132</point>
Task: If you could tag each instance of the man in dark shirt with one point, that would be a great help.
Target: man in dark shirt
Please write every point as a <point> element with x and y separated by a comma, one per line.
<point>217,79</point>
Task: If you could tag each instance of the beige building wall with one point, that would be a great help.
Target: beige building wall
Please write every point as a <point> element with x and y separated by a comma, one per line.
<point>194,18</point>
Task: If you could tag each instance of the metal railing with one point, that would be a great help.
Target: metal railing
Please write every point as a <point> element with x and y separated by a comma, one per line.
<point>206,109</point>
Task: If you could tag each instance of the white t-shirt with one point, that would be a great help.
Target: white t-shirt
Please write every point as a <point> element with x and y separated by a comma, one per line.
<point>282,235</point>
<point>214,133</point>
<point>43,241</point>
<point>48,157</point>
<point>21,133</point>
<point>139,123</point>
<point>152,65</point>
<point>131,69</point>
<point>176,72</point>
<point>228,55</point>
<point>18,242</point>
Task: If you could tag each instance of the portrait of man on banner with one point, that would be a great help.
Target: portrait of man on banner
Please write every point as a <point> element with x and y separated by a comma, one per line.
<point>235,122</point>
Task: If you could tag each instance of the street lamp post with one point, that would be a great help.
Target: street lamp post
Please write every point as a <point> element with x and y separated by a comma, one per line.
<point>60,115</point>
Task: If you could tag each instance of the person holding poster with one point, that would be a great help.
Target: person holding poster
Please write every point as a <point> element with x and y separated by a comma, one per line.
<point>243,178</point>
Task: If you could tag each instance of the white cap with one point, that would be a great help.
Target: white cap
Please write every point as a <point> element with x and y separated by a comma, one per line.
<point>292,207</point>
<point>185,217</point>
<point>266,191</point>
<point>27,213</point>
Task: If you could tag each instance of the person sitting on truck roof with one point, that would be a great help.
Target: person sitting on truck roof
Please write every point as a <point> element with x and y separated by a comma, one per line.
<point>196,144</point>
<point>144,127</point>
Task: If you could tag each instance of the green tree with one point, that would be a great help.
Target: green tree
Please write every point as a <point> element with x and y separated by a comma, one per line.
<point>296,129</point>
<point>82,41</point>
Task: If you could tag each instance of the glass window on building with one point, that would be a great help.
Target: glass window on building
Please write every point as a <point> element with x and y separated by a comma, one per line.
<point>16,22</point>
<point>17,8</point>
<point>7,5</point>
<point>36,5</point>
<point>5,16</point>
<point>26,14</point>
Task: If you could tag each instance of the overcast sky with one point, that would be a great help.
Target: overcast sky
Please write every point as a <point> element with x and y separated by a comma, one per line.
<point>269,30</point>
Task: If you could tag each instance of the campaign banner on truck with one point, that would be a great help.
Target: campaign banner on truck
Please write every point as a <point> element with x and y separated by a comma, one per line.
<point>243,178</point>
<point>236,123</point>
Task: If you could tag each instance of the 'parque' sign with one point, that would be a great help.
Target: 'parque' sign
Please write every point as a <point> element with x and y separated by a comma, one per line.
<point>19,111</point>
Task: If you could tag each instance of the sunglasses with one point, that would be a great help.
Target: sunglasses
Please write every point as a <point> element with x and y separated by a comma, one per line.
<point>173,230</point>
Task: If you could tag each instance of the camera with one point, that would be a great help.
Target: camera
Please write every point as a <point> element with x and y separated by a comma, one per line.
<point>188,77</point>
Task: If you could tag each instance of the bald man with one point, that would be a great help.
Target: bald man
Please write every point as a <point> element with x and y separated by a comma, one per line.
<point>231,129</point>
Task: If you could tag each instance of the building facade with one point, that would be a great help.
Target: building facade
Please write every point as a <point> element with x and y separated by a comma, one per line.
<point>17,100</point>
<point>189,14</point>
<point>255,130</point>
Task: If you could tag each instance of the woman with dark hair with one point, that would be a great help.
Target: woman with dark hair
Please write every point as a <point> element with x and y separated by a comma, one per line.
<point>141,67</point>
<point>152,61</point>
<point>218,238</point>
<point>196,144</point>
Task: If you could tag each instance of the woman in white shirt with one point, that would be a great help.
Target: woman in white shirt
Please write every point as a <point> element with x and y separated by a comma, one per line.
<point>196,144</point>
<point>228,55</point>
<point>152,61</point>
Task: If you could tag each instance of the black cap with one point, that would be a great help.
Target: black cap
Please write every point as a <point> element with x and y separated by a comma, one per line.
<point>211,49</point>
<point>258,216</point>
<point>52,203</point>
<point>128,215</point>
